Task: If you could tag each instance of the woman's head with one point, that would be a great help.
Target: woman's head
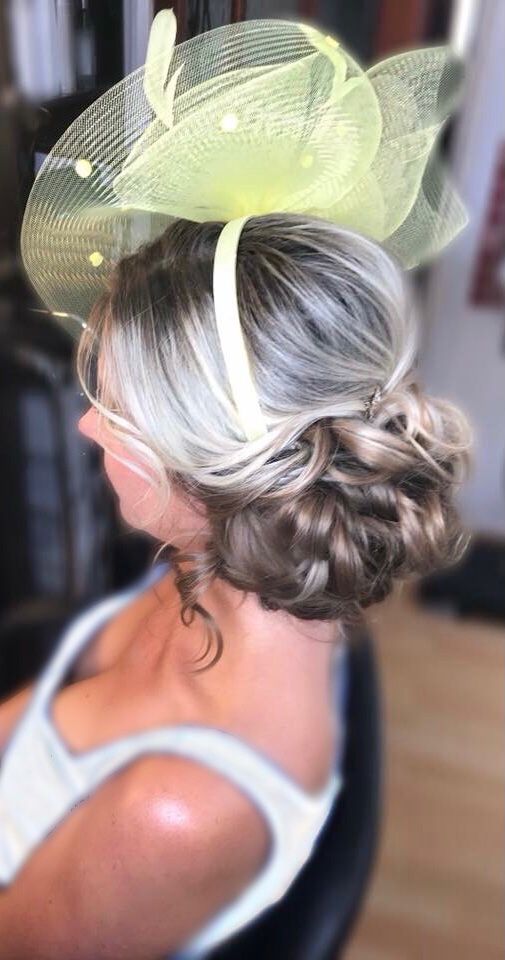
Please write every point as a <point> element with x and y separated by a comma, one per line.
<point>321,515</point>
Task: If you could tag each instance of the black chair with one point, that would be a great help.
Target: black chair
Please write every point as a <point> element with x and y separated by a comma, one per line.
<point>315,918</point>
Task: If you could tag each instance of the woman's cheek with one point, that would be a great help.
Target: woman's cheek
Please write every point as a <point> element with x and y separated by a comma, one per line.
<point>135,494</point>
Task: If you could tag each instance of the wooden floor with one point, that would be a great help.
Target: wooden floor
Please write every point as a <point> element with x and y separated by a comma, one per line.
<point>437,890</point>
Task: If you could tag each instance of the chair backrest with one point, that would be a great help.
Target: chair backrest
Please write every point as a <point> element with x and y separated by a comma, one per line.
<point>314,919</point>
<point>56,508</point>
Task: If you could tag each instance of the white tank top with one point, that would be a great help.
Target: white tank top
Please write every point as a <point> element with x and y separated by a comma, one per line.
<point>41,780</point>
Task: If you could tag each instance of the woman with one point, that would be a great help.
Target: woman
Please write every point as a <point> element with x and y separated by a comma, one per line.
<point>279,561</point>
<point>176,788</point>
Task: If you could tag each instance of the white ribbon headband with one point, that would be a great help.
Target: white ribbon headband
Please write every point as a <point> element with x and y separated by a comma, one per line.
<point>232,340</point>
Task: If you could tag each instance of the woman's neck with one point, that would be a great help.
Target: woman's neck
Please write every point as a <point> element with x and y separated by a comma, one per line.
<point>260,647</point>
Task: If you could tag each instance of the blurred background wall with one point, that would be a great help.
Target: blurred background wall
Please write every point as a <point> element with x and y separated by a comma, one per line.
<point>464,344</point>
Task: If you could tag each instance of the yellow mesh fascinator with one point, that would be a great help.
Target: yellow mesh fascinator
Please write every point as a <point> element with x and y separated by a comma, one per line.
<point>249,118</point>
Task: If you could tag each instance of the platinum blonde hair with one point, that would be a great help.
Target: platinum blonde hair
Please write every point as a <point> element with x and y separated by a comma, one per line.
<point>319,517</point>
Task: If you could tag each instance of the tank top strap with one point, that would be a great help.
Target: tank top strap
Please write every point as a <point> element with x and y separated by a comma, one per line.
<point>81,631</point>
<point>280,798</point>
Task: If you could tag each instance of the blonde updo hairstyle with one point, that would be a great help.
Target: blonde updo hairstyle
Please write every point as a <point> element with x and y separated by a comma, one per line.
<point>320,516</point>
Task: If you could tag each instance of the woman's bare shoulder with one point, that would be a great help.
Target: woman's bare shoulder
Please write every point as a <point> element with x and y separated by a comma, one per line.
<point>136,868</point>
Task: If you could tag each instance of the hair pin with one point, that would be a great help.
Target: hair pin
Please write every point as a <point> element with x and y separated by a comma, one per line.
<point>372,402</point>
